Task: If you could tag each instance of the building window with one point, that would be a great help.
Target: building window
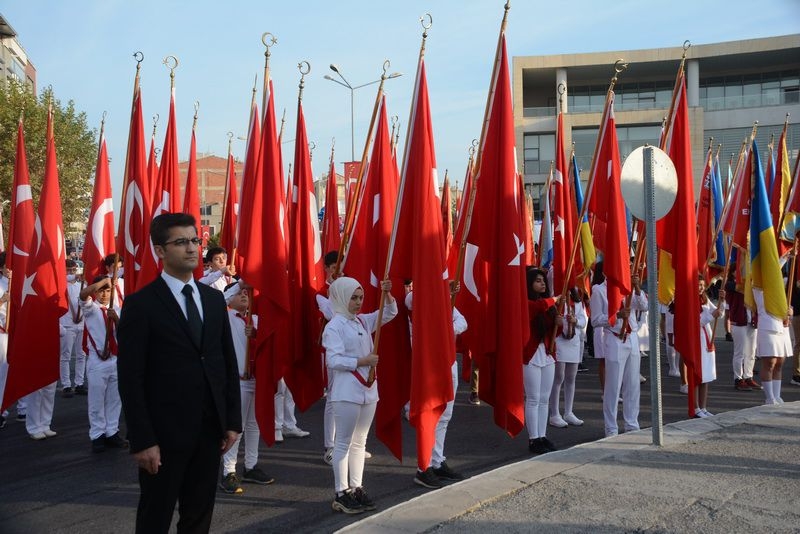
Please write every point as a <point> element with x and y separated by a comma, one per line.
<point>750,91</point>
<point>629,138</point>
<point>539,151</point>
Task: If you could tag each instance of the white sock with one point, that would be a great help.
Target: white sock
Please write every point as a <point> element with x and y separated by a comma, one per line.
<point>776,389</point>
<point>768,396</point>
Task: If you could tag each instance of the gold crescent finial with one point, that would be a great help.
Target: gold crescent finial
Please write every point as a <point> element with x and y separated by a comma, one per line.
<point>155,123</point>
<point>139,57</point>
<point>103,118</point>
<point>157,151</point>
<point>196,108</point>
<point>386,65</point>
<point>333,143</point>
<point>304,67</point>
<point>427,21</point>
<point>395,119</point>
<point>171,62</point>
<point>268,39</point>
<point>620,66</point>
<point>230,135</point>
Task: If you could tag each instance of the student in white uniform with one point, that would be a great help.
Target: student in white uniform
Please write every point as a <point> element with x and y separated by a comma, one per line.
<point>708,361</point>
<point>285,420</point>
<point>71,330</point>
<point>109,263</point>
<point>242,331</point>
<point>220,274</point>
<point>4,279</point>
<point>348,350</point>
<point>623,360</point>
<point>568,356</point>
<point>100,343</point>
<point>598,333</point>
<point>438,468</point>
<point>773,345</point>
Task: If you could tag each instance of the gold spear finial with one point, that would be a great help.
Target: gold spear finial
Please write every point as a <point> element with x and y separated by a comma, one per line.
<point>171,62</point>
<point>155,123</point>
<point>196,109</point>
<point>426,21</point>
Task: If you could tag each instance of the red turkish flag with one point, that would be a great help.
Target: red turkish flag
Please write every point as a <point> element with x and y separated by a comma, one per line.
<point>252,168</point>
<point>419,254</point>
<point>262,251</point>
<point>706,231</point>
<point>564,218</point>
<point>493,287</point>
<point>152,172</point>
<point>33,348</point>
<point>230,214</point>
<point>366,262</point>
<point>351,169</point>
<point>134,223</point>
<point>527,224</point>
<point>331,238</point>
<point>736,220</point>
<point>458,235</point>
<point>191,195</point>
<point>100,227</point>
<point>20,232</point>
<point>616,258</point>
<point>304,375</point>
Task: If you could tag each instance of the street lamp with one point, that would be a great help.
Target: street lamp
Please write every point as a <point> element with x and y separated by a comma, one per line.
<point>352,89</point>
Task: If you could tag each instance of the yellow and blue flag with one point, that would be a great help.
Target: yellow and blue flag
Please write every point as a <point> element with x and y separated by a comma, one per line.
<point>765,264</point>
<point>587,244</point>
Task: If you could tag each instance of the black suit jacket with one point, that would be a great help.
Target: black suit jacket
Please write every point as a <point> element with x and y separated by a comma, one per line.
<point>164,377</point>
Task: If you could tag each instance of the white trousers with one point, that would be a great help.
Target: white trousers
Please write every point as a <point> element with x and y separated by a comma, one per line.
<point>437,457</point>
<point>72,344</point>
<point>247,389</point>
<point>538,382</point>
<point>565,374</point>
<point>39,409</point>
<point>352,425</point>
<point>103,400</point>
<point>284,407</point>
<point>623,363</point>
<point>744,351</point>
<point>328,423</point>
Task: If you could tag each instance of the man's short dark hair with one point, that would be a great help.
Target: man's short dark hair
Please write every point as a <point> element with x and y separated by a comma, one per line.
<point>99,278</point>
<point>70,264</point>
<point>3,259</point>
<point>160,226</point>
<point>331,258</point>
<point>213,251</point>
<point>111,259</point>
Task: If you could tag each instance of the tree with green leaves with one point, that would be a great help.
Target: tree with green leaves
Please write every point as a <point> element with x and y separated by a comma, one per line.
<point>76,150</point>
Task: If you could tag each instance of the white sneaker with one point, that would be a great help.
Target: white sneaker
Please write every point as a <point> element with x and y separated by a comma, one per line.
<point>572,420</point>
<point>684,389</point>
<point>708,414</point>
<point>49,433</point>
<point>367,455</point>
<point>38,436</point>
<point>558,422</point>
<point>328,456</point>
<point>642,379</point>
<point>674,373</point>
<point>779,401</point>
<point>700,413</point>
<point>295,432</point>
<point>278,436</point>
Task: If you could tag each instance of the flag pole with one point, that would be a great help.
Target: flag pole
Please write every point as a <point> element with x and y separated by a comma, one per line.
<point>426,25</point>
<point>268,40</point>
<point>350,215</point>
<point>232,256</point>
<point>469,203</point>
<point>545,205</point>
<point>478,159</point>
<point>779,228</point>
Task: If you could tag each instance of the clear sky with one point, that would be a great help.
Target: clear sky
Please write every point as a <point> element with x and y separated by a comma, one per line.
<point>84,50</point>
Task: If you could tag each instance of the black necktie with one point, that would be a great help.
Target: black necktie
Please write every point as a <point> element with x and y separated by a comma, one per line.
<point>193,316</point>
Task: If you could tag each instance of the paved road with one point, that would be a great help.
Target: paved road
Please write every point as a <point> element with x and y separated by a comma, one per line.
<point>58,485</point>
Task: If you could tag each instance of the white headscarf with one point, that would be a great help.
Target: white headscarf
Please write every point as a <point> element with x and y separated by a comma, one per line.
<point>340,292</point>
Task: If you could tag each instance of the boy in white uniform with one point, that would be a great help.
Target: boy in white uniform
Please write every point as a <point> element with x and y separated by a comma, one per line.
<point>71,330</point>
<point>220,274</point>
<point>100,344</point>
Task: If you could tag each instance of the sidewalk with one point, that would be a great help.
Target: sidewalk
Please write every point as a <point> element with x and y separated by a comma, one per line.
<point>735,472</point>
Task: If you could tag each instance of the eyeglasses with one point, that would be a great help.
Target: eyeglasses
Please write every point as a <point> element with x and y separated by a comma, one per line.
<point>184,242</point>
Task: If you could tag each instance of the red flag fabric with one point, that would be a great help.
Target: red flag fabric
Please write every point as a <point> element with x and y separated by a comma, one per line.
<point>331,238</point>
<point>252,168</point>
<point>230,214</point>
<point>463,207</point>
<point>34,344</point>
<point>674,231</point>
<point>616,259</point>
<point>262,252</point>
<point>419,254</point>
<point>736,220</point>
<point>134,222</point>
<point>564,218</point>
<point>494,277</point>
<point>100,226</point>
<point>20,231</point>
<point>366,262</point>
<point>191,194</point>
<point>351,169</point>
<point>527,225</point>
<point>447,214</point>
<point>706,230</point>
<point>779,196</point>
<point>152,173</point>
<point>304,375</point>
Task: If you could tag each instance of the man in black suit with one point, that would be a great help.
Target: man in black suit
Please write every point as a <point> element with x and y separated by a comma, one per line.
<point>179,384</point>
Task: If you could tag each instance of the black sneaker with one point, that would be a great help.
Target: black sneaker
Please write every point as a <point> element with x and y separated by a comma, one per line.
<point>67,393</point>
<point>257,476</point>
<point>444,472</point>
<point>99,444</point>
<point>428,479</point>
<point>795,380</point>
<point>347,503</point>
<point>21,417</point>
<point>81,390</point>
<point>2,422</point>
<point>116,442</point>
<point>230,484</point>
<point>549,444</point>
<point>537,446</point>
<point>582,368</point>
<point>363,499</point>
<point>728,336</point>
<point>473,399</point>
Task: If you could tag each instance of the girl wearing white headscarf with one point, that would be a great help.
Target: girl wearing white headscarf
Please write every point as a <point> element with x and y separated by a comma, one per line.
<point>347,340</point>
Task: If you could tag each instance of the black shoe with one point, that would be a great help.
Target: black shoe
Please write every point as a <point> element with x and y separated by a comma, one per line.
<point>549,444</point>
<point>230,484</point>
<point>67,393</point>
<point>21,417</point>
<point>99,444</point>
<point>444,472</point>
<point>363,499</point>
<point>257,476</point>
<point>582,368</point>
<point>116,442</point>
<point>473,399</point>
<point>347,503</point>
<point>728,336</point>
<point>795,380</point>
<point>81,390</point>
<point>427,479</point>
<point>2,422</point>
<point>537,446</point>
